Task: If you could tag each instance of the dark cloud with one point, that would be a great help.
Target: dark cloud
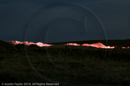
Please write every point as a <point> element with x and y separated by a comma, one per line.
<point>30,20</point>
<point>14,18</point>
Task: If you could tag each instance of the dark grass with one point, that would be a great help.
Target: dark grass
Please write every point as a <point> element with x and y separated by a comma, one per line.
<point>68,65</point>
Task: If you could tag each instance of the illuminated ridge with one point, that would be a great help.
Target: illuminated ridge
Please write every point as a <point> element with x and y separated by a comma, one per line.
<point>40,44</point>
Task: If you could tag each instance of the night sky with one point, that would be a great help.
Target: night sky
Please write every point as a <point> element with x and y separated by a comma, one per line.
<point>64,20</point>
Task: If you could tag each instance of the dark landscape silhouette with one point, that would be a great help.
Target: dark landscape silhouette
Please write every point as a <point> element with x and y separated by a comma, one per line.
<point>69,65</point>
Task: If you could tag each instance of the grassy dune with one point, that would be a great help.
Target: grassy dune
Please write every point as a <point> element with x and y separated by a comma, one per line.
<point>68,65</point>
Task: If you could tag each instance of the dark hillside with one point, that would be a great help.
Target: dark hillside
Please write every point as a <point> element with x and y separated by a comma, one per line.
<point>7,50</point>
<point>68,65</point>
<point>6,47</point>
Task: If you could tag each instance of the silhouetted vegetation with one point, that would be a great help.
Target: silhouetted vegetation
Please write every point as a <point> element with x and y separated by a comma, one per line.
<point>69,65</point>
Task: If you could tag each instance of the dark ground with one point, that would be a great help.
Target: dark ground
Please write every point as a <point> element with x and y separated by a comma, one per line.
<point>67,65</point>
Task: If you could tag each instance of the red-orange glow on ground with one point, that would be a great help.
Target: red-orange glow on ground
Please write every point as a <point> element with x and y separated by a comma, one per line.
<point>40,44</point>
<point>125,47</point>
<point>73,44</point>
<point>98,45</point>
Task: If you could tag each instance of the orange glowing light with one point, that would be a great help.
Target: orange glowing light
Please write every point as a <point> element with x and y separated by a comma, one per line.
<point>73,44</point>
<point>125,47</point>
<point>40,44</point>
<point>99,45</point>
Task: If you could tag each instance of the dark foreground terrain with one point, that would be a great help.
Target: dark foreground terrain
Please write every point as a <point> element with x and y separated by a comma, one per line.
<point>66,65</point>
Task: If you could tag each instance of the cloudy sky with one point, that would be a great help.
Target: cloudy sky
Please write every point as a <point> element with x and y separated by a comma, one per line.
<point>64,20</point>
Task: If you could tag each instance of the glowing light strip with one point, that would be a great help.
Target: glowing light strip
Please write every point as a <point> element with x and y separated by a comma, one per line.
<point>40,44</point>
